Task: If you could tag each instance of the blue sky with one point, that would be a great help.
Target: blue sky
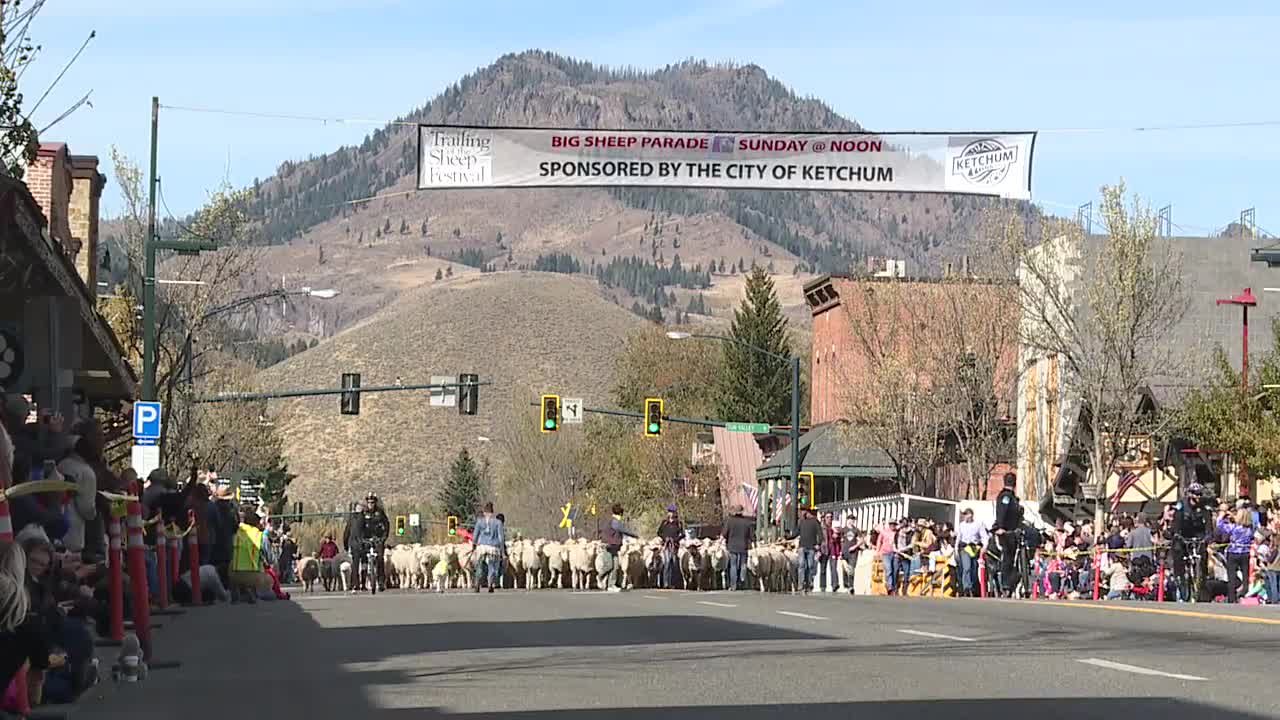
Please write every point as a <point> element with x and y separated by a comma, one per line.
<point>935,66</point>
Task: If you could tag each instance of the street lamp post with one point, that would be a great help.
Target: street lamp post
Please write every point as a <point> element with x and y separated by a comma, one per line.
<point>1244,300</point>
<point>794,361</point>
<point>322,294</point>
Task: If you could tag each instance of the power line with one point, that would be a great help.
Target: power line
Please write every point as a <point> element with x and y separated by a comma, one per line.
<point>1046,131</point>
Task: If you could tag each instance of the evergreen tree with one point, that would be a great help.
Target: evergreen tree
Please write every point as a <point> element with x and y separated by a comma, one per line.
<point>439,274</point>
<point>753,386</point>
<point>448,271</point>
<point>404,226</point>
<point>386,226</point>
<point>377,234</point>
<point>424,228</point>
<point>461,491</point>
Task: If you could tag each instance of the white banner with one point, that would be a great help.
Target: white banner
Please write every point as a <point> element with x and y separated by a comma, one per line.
<point>996,164</point>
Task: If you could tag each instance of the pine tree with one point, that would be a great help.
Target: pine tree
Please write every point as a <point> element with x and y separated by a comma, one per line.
<point>448,271</point>
<point>424,228</point>
<point>439,274</point>
<point>386,226</point>
<point>404,226</point>
<point>461,491</point>
<point>753,386</point>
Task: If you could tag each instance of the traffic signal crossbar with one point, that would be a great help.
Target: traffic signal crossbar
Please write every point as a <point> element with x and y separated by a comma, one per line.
<point>665,418</point>
<point>246,397</point>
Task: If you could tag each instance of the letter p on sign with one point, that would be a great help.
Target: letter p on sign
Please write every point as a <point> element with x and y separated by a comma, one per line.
<point>146,421</point>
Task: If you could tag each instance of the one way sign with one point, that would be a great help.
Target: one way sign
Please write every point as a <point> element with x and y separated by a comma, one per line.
<point>571,409</point>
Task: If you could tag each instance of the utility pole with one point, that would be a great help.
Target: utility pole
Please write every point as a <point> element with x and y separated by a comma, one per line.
<point>795,443</point>
<point>150,245</point>
<point>149,275</point>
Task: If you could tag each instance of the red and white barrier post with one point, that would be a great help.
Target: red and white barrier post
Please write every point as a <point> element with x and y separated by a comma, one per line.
<point>115,579</point>
<point>175,551</point>
<point>193,553</point>
<point>1097,573</point>
<point>982,574</point>
<point>138,572</point>
<point>1160,581</point>
<point>162,567</point>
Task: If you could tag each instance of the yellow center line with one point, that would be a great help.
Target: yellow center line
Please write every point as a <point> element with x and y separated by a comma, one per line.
<point>1161,611</point>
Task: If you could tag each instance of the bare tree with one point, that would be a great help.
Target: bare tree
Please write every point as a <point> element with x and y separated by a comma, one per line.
<point>1098,307</point>
<point>181,310</point>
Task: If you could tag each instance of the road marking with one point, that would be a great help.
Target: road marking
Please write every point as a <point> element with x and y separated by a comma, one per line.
<point>940,636</point>
<point>1158,611</point>
<point>800,615</point>
<point>716,604</point>
<point>654,597</point>
<point>1137,670</point>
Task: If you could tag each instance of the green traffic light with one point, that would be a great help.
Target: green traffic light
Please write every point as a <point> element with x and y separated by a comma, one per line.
<point>653,427</point>
<point>551,424</point>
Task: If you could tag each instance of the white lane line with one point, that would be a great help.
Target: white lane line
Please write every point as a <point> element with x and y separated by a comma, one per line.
<point>800,615</point>
<point>939,636</point>
<point>1137,670</point>
<point>716,604</point>
<point>654,597</point>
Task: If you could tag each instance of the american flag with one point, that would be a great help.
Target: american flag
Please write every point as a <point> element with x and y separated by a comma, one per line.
<point>752,496</point>
<point>1127,481</point>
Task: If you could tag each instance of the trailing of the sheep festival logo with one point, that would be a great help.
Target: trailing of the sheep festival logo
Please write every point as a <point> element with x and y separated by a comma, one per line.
<point>996,164</point>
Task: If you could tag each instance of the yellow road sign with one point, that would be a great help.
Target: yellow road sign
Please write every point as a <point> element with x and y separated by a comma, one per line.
<point>566,521</point>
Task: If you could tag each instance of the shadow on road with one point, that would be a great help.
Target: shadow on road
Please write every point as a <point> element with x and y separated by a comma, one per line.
<point>275,661</point>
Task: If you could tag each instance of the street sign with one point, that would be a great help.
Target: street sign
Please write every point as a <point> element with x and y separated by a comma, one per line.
<point>567,520</point>
<point>444,397</point>
<point>415,520</point>
<point>146,422</point>
<point>145,458</point>
<point>747,427</point>
<point>571,410</point>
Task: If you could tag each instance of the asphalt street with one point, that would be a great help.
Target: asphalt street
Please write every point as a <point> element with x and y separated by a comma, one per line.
<point>677,655</point>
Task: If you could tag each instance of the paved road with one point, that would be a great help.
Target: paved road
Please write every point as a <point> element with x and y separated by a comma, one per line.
<point>677,656</point>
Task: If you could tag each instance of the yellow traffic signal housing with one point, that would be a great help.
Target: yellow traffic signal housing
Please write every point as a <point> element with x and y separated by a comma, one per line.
<point>652,417</point>
<point>550,413</point>
<point>452,523</point>
<point>401,523</point>
<point>806,488</point>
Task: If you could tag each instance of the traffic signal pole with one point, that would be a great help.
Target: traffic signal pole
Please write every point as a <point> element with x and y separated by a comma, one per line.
<point>149,275</point>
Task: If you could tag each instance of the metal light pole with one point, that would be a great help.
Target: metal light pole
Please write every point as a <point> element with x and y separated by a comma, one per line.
<point>793,520</point>
<point>149,273</point>
<point>1245,300</point>
<point>323,294</point>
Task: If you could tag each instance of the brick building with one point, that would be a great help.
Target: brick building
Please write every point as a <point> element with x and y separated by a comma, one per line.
<point>906,319</point>
<point>60,349</point>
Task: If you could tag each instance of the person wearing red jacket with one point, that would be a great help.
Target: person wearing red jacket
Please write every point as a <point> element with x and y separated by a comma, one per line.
<point>829,555</point>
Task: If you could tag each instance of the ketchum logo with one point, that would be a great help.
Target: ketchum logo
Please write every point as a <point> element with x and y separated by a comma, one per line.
<point>984,162</point>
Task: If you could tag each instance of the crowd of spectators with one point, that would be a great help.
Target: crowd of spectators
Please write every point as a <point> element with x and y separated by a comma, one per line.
<point>54,574</point>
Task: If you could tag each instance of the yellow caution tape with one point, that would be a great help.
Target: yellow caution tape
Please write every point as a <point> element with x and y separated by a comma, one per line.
<point>35,487</point>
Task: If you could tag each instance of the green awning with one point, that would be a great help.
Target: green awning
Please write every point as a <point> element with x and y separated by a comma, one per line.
<point>828,451</point>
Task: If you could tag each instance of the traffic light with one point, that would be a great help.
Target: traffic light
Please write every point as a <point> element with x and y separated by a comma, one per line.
<point>652,417</point>
<point>550,413</point>
<point>468,394</point>
<point>806,489</point>
<point>401,521</point>
<point>453,524</point>
<point>351,399</point>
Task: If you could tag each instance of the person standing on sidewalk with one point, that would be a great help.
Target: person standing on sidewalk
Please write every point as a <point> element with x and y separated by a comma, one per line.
<point>739,536</point>
<point>810,534</point>
<point>851,543</point>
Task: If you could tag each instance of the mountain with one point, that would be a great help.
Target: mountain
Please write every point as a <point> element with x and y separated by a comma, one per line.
<point>323,230</point>
<point>528,332</point>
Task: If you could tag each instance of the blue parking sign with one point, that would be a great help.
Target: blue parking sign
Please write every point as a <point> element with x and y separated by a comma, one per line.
<point>146,420</point>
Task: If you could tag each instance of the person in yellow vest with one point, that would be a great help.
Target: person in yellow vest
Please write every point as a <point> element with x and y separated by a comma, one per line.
<point>247,577</point>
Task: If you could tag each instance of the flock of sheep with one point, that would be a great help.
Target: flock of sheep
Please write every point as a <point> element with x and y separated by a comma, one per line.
<point>578,564</point>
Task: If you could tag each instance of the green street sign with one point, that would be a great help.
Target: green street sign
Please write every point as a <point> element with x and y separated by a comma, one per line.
<point>747,427</point>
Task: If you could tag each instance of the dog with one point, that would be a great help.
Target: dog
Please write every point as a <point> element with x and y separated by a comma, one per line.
<point>129,666</point>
